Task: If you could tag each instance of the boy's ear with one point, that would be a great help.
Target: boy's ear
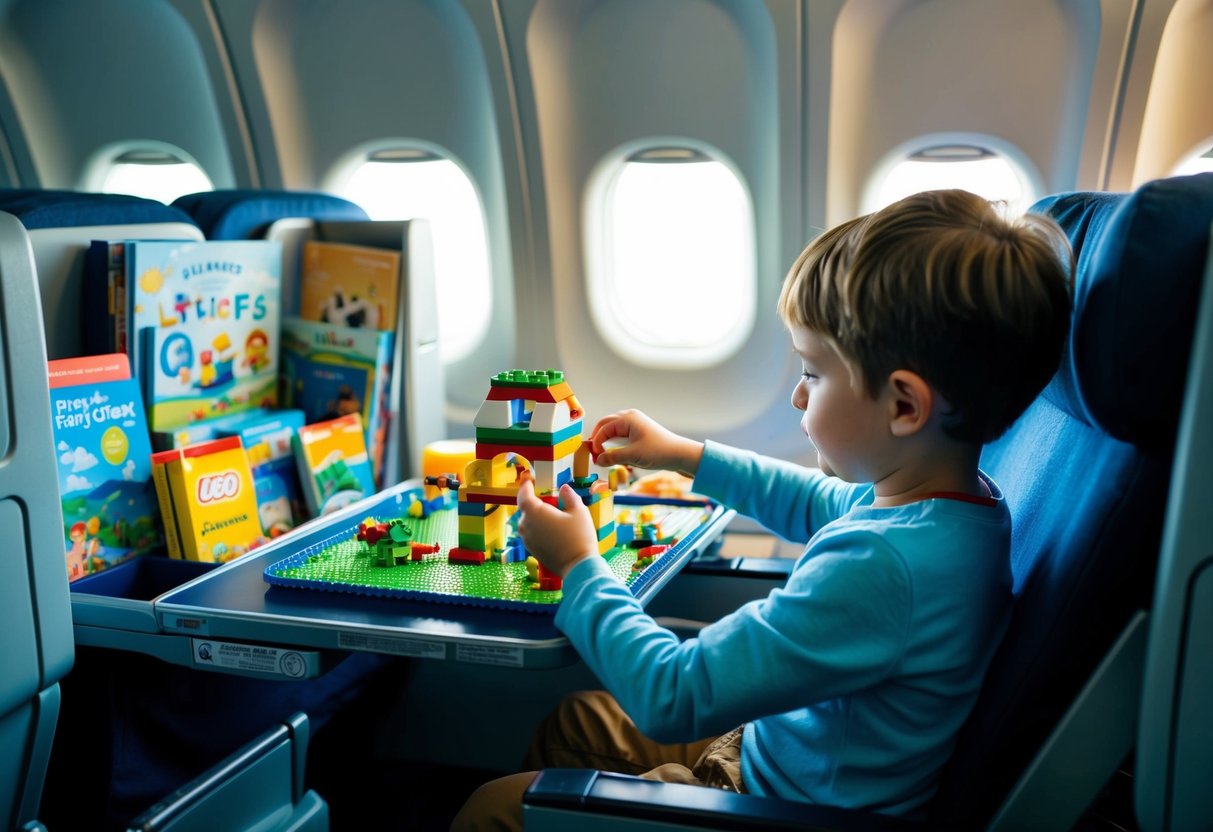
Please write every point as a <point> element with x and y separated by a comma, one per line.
<point>911,402</point>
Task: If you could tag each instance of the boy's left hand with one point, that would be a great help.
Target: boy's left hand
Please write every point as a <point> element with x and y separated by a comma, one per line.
<point>559,538</point>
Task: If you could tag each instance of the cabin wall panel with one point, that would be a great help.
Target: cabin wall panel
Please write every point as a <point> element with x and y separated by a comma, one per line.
<point>1019,74</point>
<point>605,78</point>
<point>1178,121</point>
<point>335,81</point>
<point>83,77</point>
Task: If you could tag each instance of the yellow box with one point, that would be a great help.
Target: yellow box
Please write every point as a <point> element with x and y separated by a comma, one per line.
<point>214,500</point>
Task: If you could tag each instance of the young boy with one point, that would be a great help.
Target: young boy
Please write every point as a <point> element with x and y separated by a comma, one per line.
<point>923,331</point>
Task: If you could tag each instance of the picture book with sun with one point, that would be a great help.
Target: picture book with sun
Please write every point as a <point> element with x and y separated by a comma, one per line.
<point>206,320</point>
<point>110,511</point>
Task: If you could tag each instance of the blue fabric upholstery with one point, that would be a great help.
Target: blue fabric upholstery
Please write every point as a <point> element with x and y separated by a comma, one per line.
<point>1086,471</point>
<point>245,213</point>
<point>69,209</point>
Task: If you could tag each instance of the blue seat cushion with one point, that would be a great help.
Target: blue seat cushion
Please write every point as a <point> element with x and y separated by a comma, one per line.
<point>243,214</point>
<point>1128,354</point>
<point>1086,470</point>
<point>37,208</point>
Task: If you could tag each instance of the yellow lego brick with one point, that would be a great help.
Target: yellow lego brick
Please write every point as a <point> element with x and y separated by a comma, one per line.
<point>474,491</point>
<point>567,447</point>
<point>606,544</point>
<point>603,511</point>
<point>472,525</point>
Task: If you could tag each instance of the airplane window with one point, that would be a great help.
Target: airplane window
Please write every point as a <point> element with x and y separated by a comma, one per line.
<point>154,175</point>
<point>1199,163</point>
<point>405,183</point>
<point>972,168</point>
<point>671,271</point>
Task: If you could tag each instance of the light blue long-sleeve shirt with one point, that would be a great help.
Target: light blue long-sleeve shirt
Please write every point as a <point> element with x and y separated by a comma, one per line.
<point>853,679</point>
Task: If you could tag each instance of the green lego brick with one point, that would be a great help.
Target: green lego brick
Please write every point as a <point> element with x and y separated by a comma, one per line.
<point>527,378</point>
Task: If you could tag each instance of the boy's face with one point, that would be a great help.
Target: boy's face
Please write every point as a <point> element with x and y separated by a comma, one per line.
<point>848,427</point>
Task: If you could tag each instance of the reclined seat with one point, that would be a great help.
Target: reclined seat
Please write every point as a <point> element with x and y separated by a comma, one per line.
<point>1086,471</point>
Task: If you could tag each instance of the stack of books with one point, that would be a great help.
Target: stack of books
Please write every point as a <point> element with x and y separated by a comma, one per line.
<point>337,353</point>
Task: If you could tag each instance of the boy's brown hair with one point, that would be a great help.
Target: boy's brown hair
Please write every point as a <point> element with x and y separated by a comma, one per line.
<point>939,283</point>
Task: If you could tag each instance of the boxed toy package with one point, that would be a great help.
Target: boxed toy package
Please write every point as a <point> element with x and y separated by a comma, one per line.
<point>214,504</point>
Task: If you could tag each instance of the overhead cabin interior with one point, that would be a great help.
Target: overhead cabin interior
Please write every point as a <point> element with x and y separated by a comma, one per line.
<point>792,116</point>
<point>613,189</point>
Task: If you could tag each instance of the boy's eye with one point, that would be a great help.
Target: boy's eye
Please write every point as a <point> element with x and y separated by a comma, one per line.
<point>807,376</point>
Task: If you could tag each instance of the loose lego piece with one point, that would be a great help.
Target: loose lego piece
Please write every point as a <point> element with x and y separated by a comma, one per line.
<point>645,556</point>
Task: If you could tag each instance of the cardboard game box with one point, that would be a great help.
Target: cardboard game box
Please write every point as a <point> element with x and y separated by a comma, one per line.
<point>214,502</point>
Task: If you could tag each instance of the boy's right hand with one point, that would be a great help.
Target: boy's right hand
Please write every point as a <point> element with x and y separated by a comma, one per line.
<point>648,445</point>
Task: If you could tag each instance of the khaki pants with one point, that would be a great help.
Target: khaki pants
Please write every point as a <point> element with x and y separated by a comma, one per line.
<point>590,730</point>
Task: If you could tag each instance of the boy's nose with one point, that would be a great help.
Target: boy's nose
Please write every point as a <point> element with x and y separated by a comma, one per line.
<point>800,397</point>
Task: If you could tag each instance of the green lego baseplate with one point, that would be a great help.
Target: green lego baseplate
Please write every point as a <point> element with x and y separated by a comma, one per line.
<point>342,563</point>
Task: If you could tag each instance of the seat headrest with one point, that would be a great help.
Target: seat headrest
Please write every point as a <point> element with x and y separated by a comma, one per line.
<point>242,214</point>
<point>37,208</point>
<point>1140,262</point>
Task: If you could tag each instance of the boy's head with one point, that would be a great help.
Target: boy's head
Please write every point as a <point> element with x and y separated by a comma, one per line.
<point>942,285</point>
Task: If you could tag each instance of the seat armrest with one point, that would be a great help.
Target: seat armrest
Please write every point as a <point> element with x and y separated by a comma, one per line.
<point>586,799</point>
<point>260,786</point>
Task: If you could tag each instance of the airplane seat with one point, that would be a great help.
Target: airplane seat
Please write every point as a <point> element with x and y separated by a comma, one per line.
<point>35,618</point>
<point>60,224</point>
<point>247,213</point>
<point>35,612</point>
<point>132,728</point>
<point>1086,471</point>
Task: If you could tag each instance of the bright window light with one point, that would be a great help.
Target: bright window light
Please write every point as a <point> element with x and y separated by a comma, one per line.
<point>1200,163</point>
<point>406,184</point>
<point>672,269</point>
<point>154,175</point>
<point>974,169</point>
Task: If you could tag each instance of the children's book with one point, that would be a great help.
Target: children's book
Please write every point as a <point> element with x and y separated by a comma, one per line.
<point>268,444</point>
<point>349,285</point>
<point>207,429</point>
<point>105,289</point>
<point>204,322</point>
<point>330,371</point>
<point>110,513</point>
<point>333,465</point>
<point>214,501</point>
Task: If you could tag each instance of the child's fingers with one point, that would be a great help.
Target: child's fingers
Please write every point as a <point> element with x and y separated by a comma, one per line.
<point>610,428</point>
<point>526,495</point>
<point>569,501</point>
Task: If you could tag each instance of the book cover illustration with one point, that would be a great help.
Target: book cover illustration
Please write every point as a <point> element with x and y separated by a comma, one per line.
<point>206,317</point>
<point>333,466</point>
<point>110,512</point>
<point>330,371</point>
<point>349,285</point>
<point>214,500</point>
<point>268,444</point>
